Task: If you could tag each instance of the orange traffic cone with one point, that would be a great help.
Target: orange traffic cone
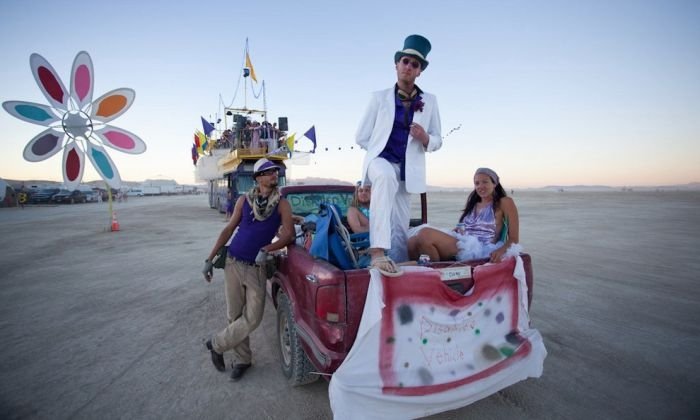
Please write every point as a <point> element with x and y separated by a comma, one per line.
<point>115,223</point>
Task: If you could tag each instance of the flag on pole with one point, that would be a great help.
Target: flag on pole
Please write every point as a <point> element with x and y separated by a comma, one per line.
<point>202,141</point>
<point>208,128</point>
<point>195,155</point>
<point>197,144</point>
<point>249,65</point>
<point>311,135</point>
<point>290,143</point>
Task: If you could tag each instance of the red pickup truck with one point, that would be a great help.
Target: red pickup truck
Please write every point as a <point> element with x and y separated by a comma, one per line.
<point>319,306</point>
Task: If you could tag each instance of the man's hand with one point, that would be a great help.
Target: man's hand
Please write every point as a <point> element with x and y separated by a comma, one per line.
<point>208,270</point>
<point>418,132</point>
<point>261,258</point>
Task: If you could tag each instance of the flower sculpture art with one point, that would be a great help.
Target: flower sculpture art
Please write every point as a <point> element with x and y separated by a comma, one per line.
<point>75,122</point>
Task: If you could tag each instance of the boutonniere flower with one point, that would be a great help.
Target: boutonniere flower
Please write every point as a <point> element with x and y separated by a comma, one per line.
<point>418,105</point>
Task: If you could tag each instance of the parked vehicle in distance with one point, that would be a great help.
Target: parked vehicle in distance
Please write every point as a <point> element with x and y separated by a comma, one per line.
<point>91,196</point>
<point>105,194</point>
<point>152,190</point>
<point>136,191</point>
<point>44,195</point>
<point>69,197</point>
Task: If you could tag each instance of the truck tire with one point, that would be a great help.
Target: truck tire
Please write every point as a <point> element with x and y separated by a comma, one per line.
<point>295,364</point>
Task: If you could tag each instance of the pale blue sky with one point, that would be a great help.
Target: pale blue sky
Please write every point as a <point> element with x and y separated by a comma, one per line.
<point>546,92</point>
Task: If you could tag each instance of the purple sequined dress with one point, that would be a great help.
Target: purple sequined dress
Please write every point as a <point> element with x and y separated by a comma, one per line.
<point>477,242</point>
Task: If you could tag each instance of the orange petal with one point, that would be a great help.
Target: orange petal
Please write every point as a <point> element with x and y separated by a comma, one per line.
<point>111,105</point>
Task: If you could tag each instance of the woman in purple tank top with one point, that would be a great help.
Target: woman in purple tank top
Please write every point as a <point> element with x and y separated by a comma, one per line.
<point>479,234</point>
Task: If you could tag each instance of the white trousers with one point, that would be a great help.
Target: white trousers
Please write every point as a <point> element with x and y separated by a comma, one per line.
<point>389,210</point>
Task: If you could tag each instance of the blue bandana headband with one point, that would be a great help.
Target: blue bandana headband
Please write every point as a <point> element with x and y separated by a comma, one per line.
<point>490,172</point>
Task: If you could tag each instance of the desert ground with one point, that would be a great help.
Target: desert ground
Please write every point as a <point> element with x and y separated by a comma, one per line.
<point>100,324</point>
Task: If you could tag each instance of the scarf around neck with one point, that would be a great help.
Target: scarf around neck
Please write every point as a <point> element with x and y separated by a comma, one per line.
<point>262,207</point>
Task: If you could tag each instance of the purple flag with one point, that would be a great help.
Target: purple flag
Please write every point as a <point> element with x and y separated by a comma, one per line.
<point>208,128</point>
<point>311,135</point>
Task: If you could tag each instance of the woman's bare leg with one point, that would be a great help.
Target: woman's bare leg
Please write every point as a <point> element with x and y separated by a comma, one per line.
<point>437,244</point>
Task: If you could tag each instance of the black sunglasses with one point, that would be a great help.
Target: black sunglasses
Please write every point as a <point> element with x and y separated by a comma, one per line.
<point>412,63</point>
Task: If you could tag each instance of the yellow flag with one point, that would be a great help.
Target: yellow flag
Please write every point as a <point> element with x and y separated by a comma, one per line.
<point>290,142</point>
<point>202,142</point>
<point>250,66</point>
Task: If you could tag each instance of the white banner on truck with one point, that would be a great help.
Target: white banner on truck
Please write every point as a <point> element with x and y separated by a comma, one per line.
<point>422,348</point>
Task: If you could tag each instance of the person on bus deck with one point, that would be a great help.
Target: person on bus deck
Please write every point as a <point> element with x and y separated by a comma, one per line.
<point>401,124</point>
<point>490,226</point>
<point>257,217</point>
<point>358,212</point>
<point>247,133</point>
<point>255,135</point>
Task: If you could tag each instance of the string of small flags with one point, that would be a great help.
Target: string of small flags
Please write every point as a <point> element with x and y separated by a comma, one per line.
<point>340,148</point>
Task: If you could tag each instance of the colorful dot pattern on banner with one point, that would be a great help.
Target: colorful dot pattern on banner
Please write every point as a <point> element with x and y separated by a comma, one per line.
<point>427,348</point>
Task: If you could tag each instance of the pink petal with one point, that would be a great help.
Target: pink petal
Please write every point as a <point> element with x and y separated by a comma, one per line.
<point>82,82</point>
<point>120,139</point>
<point>82,77</point>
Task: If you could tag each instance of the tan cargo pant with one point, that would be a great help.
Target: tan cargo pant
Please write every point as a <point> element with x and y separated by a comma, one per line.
<point>244,287</point>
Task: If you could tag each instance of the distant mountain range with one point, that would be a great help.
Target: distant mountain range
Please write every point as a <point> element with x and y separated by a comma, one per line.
<point>691,186</point>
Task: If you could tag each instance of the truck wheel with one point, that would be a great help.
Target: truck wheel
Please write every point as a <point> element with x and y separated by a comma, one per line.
<point>295,364</point>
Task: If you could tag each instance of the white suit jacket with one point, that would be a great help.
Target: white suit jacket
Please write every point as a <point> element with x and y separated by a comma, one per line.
<point>375,128</point>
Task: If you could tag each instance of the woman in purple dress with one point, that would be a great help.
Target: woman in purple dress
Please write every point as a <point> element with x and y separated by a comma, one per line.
<point>488,226</point>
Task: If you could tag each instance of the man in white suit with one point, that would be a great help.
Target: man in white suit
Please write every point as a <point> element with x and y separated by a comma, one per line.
<point>401,124</point>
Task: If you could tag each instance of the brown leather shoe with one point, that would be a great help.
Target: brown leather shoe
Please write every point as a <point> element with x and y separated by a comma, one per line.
<point>216,358</point>
<point>239,370</point>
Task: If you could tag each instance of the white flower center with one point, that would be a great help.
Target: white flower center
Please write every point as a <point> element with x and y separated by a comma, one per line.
<point>77,124</point>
